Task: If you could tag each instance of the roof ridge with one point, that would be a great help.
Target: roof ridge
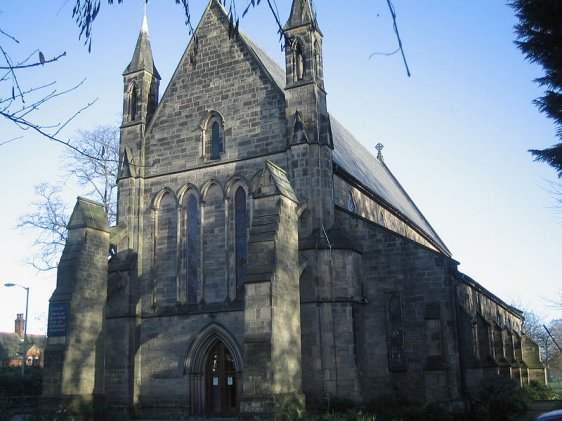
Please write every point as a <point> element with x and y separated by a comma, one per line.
<point>357,161</point>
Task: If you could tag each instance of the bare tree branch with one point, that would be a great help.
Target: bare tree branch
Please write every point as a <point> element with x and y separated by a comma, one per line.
<point>38,63</point>
<point>85,13</point>
<point>18,103</point>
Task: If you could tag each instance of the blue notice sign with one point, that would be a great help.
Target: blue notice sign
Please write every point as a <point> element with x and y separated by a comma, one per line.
<point>58,315</point>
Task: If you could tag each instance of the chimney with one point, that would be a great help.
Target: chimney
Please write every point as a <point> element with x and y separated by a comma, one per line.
<point>19,324</point>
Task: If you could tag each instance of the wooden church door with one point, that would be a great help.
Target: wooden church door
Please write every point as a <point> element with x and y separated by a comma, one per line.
<point>222,383</point>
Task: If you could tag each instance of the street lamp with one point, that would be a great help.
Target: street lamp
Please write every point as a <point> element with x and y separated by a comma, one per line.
<point>10,284</point>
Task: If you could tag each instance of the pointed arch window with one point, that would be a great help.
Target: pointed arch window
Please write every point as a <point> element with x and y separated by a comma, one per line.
<point>299,61</point>
<point>350,202</point>
<point>241,229</point>
<point>213,136</point>
<point>193,247</point>
<point>215,140</point>
<point>132,103</point>
<point>317,60</point>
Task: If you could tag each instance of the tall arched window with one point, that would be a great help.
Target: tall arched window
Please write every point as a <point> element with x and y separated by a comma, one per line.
<point>193,255</point>
<point>241,243</point>
<point>165,251</point>
<point>215,141</point>
<point>317,58</point>
<point>132,103</point>
<point>299,62</point>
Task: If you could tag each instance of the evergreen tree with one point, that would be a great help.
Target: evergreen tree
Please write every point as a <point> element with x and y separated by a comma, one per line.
<point>539,36</point>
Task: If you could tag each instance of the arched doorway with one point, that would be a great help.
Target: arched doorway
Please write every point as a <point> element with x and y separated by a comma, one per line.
<point>214,353</point>
<point>221,383</point>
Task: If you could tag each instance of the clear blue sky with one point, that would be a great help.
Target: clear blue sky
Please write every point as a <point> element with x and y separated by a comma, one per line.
<point>456,133</point>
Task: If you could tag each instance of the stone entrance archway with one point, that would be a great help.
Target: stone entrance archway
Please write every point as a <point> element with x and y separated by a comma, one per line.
<point>214,366</point>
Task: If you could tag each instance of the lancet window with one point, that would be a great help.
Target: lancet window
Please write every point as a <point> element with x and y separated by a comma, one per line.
<point>132,103</point>
<point>192,249</point>
<point>241,243</point>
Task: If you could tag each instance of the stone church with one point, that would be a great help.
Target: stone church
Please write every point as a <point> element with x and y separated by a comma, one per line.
<point>263,259</point>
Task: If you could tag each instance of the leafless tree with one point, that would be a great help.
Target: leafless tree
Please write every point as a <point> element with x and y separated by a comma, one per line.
<point>48,221</point>
<point>93,165</point>
<point>553,358</point>
<point>533,327</point>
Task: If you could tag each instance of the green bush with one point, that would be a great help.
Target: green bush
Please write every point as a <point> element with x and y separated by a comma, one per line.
<point>540,392</point>
<point>11,383</point>
<point>498,399</point>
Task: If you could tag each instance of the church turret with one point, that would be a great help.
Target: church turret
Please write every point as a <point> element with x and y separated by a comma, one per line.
<point>141,82</point>
<point>304,50</point>
<point>307,117</point>
<point>140,99</point>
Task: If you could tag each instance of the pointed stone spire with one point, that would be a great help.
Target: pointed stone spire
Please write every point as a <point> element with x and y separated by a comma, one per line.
<point>142,57</point>
<point>302,13</point>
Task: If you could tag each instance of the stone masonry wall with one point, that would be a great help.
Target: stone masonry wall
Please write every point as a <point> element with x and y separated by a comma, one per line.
<point>492,339</point>
<point>215,73</point>
<point>420,281</point>
<point>331,286</point>
<point>214,246</point>
<point>164,345</point>
<point>368,208</point>
<point>74,358</point>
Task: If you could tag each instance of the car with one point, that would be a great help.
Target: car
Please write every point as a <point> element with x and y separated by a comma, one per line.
<point>551,416</point>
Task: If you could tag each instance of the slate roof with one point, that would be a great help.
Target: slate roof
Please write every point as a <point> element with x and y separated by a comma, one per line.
<point>355,160</point>
<point>88,213</point>
<point>279,181</point>
<point>372,174</point>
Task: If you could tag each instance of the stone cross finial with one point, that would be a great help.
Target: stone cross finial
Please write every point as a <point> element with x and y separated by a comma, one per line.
<point>379,147</point>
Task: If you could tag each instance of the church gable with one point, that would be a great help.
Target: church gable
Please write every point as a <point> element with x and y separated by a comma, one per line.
<point>221,104</point>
